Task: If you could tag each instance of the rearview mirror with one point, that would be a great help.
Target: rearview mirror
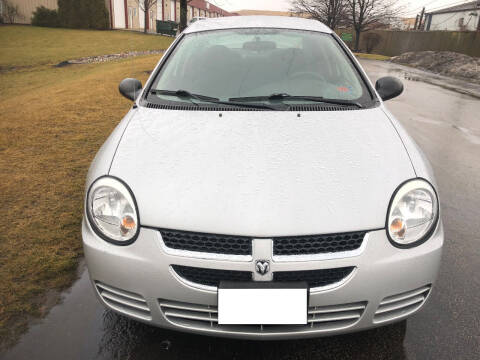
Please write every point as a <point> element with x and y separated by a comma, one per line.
<point>388,87</point>
<point>130,88</point>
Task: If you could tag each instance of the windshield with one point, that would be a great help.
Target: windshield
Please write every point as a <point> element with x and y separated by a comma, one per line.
<point>248,63</point>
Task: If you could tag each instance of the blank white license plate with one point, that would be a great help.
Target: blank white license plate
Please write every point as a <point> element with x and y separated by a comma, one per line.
<point>262,304</point>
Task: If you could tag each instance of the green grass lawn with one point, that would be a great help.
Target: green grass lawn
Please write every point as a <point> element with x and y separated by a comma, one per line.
<point>29,45</point>
<point>52,122</point>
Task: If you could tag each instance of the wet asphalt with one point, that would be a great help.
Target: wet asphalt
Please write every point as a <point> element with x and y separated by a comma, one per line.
<point>446,124</point>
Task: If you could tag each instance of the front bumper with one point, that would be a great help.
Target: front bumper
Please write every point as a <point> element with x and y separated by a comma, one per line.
<point>388,285</point>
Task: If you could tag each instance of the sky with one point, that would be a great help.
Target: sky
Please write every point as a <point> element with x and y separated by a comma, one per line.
<point>413,6</point>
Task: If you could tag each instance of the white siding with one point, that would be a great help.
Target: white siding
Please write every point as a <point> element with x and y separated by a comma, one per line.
<point>141,17</point>
<point>159,10</point>
<point>452,21</point>
<point>118,14</point>
<point>172,10</point>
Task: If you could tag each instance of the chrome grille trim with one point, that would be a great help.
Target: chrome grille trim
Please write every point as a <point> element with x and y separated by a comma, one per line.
<point>125,302</point>
<point>192,284</point>
<point>205,317</point>
<point>342,282</point>
<point>401,305</point>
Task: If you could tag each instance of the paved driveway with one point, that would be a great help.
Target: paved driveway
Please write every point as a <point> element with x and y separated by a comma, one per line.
<point>446,125</point>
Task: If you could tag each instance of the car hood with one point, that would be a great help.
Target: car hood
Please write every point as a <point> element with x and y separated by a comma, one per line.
<point>262,173</point>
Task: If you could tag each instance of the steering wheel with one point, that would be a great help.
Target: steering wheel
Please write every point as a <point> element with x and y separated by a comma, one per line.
<point>306,75</point>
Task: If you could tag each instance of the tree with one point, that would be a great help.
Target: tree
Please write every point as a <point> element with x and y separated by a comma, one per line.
<point>146,5</point>
<point>330,12</point>
<point>11,12</point>
<point>183,15</point>
<point>365,15</point>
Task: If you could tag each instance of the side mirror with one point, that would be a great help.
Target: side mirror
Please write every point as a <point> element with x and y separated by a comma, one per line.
<point>130,88</point>
<point>388,87</point>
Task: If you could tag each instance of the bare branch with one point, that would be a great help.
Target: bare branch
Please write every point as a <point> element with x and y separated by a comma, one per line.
<point>365,15</point>
<point>330,12</point>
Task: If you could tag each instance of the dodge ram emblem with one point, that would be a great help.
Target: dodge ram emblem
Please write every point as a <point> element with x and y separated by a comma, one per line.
<point>262,266</point>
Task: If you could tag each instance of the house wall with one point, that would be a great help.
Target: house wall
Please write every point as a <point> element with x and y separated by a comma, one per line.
<point>457,21</point>
<point>27,7</point>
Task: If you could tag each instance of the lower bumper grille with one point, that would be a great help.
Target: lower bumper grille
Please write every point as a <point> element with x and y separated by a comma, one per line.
<point>123,301</point>
<point>400,305</point>
<point>210,277</point>
<point>213,277</point>
<point>205,317</point>
<point>315,278</point>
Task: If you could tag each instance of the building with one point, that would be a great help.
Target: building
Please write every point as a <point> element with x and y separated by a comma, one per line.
<point>127,14</point>
<point>27,7</point>
<point>406,23</point>
<point>264,12</point>
<point>464,17</point>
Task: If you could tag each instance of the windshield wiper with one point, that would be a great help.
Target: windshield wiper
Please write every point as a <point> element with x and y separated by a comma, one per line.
<point>209,99</point>
<point>183,94</point>
<point>281,96</point>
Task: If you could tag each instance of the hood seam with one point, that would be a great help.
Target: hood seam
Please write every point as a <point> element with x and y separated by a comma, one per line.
<point>401,139</point>
<point>118,144</point>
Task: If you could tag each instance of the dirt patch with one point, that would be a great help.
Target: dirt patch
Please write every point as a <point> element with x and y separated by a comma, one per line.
<point>106,58</point>
<point>447,63</point>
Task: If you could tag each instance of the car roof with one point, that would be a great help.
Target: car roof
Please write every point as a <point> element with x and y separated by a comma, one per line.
<point>243,22</point>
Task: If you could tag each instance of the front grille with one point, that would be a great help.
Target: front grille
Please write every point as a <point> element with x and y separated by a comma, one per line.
<point>242,245</point>
<point>210,277</point>
<point>205,317</point>
<point>400,305</point>
<point>213,277</point>
<point>314,278</point>
<point>318,244</point>
<point>124,301</point>
<point>208,243</point>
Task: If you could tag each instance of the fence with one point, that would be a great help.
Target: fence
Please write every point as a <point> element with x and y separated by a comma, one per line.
<point>394,42</point>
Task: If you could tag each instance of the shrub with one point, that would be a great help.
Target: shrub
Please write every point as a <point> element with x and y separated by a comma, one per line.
<point>83,14</point>
<point>45,17</point>
<point>10,12</point>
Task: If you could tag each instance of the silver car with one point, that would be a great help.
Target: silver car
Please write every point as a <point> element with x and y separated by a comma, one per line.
<point>259,188</point>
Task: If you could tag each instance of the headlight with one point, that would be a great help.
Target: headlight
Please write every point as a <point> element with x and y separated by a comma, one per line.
<point>413,213</point>
<point>112,211</point>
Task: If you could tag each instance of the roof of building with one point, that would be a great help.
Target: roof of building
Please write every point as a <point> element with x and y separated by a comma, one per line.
<point>242,22</point>
<point>202,5</point>
<point>263,12</point>
<point>472,5</point>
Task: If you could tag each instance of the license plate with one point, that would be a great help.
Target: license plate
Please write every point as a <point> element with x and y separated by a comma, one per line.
<point>262,303</point>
